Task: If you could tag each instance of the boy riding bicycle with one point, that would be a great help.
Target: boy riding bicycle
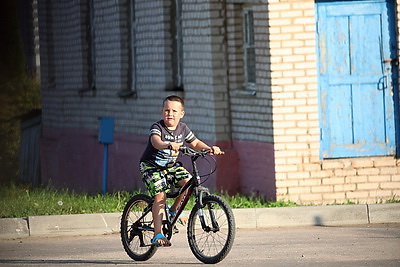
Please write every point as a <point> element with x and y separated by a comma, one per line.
<point>159,159</point>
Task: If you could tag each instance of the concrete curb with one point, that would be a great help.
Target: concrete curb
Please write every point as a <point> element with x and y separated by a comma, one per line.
<point>78,224</point>
<point>302,216</point>
<point>107,223</point>
<point>14,228</point>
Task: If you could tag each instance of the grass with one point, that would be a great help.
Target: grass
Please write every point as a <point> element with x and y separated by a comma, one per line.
<point>17,201</point>
<point>240,202</point>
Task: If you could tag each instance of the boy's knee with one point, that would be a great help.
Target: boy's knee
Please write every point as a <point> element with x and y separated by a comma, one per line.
<point>183,182</point>
<point>160,197</point>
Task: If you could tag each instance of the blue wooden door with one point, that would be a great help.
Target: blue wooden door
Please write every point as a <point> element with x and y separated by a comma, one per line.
<point>356,61</point>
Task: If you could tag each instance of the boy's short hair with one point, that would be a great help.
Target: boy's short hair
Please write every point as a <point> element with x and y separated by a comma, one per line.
<point>175,98</point>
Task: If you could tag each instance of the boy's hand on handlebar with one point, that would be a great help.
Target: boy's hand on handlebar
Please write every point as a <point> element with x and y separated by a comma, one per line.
<point>175,146</point>
<point>215,150</point>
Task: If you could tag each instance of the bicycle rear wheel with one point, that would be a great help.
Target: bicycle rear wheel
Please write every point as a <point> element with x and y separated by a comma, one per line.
<point>135,232</point>
<point>211,243</point>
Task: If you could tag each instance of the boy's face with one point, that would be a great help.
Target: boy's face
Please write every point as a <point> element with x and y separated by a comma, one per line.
<point>172,113</point>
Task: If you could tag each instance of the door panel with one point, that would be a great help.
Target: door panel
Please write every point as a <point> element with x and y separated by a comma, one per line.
<point>355,88</point>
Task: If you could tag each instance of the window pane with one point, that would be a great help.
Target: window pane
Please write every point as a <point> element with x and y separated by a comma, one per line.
<point>251,28</point>
<point>251,65</point>
<point>249,48</point>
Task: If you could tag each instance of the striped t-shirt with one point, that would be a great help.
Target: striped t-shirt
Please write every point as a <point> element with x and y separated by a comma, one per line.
<point>164,157</point>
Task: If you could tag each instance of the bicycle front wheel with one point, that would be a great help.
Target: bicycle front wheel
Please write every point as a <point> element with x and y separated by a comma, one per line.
<point>137,228</point>
<point>211,230</point>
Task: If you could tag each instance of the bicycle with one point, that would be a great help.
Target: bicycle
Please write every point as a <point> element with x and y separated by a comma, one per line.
<point>210,228</point>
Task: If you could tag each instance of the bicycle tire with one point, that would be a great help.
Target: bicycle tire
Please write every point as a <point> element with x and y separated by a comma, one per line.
<point>213,244</point>
<point>134,237</point>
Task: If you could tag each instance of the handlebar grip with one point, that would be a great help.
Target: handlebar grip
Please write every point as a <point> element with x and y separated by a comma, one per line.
<point>192,152</point>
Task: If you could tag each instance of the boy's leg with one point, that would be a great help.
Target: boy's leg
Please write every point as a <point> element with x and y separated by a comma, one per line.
<point>157,185</point>
<point>158,215</point>
<point>178,199</point>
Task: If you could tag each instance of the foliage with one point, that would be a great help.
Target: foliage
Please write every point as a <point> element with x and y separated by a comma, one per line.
<point>17,97</point>
<point>19,92</point>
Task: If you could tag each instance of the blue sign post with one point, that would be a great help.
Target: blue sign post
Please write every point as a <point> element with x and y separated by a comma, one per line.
<point>106,137</point>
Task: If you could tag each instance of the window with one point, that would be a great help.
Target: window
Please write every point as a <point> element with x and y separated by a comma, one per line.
<point>177,45</point>
<point>131,91</point>
<point>48,67</point>
<point>249,49</point>
<point>90,53</point>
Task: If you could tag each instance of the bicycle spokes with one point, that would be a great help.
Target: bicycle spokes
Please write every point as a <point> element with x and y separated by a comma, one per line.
<point>137,228</point>
<point>211,230</point>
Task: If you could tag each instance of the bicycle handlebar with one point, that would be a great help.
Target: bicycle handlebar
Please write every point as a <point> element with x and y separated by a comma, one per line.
<point>188,151</point>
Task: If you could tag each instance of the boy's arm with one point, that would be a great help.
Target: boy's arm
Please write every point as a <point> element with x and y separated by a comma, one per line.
<point>160,144</point>
<point>199,145</point>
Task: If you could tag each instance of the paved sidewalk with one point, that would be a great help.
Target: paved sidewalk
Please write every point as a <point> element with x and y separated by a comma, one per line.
<point>107,223</point>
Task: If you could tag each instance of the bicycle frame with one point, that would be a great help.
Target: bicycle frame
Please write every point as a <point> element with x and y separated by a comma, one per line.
<point>193,185</point>
<point>210,225</point>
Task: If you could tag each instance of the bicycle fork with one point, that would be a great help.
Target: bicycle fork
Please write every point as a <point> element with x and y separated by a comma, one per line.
<point>205,227</point>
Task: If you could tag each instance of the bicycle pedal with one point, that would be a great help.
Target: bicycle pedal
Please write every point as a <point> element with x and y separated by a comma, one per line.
<point>175,230</point>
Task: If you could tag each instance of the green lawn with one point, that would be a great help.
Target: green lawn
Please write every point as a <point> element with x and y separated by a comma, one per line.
<point>17,201</point>
<point>22,201</point>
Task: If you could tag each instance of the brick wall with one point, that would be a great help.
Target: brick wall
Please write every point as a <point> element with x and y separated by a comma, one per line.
<point>205,67</point>
<point>250,109</point>
<point>251,114</point>
<point>300,174</point>
<point>71,109</point>
<point>272,137</point>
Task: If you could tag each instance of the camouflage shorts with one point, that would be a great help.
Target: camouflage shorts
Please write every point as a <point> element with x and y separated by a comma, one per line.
<point>159,180</point>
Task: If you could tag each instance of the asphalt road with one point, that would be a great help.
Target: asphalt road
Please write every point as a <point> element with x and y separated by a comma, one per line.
<point>361,245</point>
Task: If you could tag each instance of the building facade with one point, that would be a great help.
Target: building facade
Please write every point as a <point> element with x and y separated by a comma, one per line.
<point>274,83</point>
